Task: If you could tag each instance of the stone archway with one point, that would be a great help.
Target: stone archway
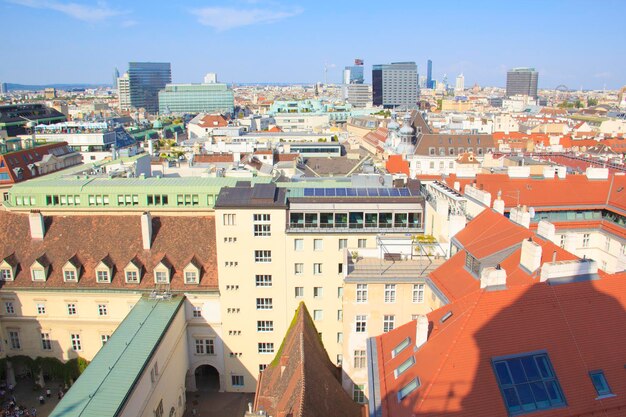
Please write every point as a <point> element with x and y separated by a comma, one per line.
<point>207,378</point>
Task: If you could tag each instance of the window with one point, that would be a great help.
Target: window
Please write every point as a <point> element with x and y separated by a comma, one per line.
<point>266,347</point>
<point>403,345</point>
<point>38,274</point>
<point>562,243</point>
<point>262,230</point>
<point>317,269</point>
<point>607,243</point>
<point>104,338</point>
<point>262,256</point>
<point>46,343</point>
<point>418,293</point>
<point>71,309</point>
<point>261,218</point>
<point>318,292</point>
<point>263,303</point>
<point>299,292</point>
<point>361,324</point>
<point>6,274</point>
<point>343,243</point>
<point>264,326</point>
<point>340,292</point>
<point>358,393</point>
<point>318,315</point>
<point>41,308</point>
<point>69,275</point>
<point>236,380</point>
<point>14,337</point>
<point>362,243</point>
<point>102,276</point>
<point>408,388</point>
<point>102,309</point>
<point>390,293</point>
<point>585,240</point>
<point>76,346</point>
<point>197,311</point>
<point>298,269</point>
<point>191,277</point>
<point>298,245</point>
<point>205,347</point>
<point>159,410</point>
<point>404,366</point>
<point>528,383</point>
<point>132,277</point>
<point>361,293</point>
<point>154,372</point>
<point>9,308</point>
<point>339,337</point>
<point>160,277</point>
<point>600,384</point>
<point>262,367</point>
<point>229,219</point>
<point>339,315</point>
<point>340,268</point>
<point>263,280</point>
<point>339,359</point>
<point>318,244</point>
<point>388,323</point>
<point>359,359</point>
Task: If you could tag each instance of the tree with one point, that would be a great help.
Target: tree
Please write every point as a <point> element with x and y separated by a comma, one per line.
<point>592,102</point>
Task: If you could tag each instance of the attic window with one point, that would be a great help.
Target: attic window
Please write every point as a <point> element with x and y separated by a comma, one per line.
<point>403,345</point>
<point>472,264</point>
<point>408,388</point>
<point>445,317</point>
<point>6,274</point>
<point>404,366</point>
<point>103,276</point>
<point>600,384</point>
<point>528,383</point>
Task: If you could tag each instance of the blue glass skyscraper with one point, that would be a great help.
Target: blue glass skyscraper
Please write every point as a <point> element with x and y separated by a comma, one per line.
<point>146,79</point>
<point>429,75</point>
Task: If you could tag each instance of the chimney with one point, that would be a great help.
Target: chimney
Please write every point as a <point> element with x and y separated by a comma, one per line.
<point>493,278</point>
<point>569,270</point>
<point>498,203</point>
<point>531,255</point>
<point>561,172</point>
<point>546,230</point>
<point>457,185</point>
<point>146,230</point>
<point>421,331</point>
<point>37,228</point>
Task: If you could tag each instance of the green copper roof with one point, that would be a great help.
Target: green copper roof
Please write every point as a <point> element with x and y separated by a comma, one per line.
<point>106,384</point>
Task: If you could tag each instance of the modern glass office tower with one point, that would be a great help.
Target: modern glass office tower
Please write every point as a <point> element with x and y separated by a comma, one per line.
<point>146,79</point>
<point>196,98</point>
<point>429,75</point>
<point>522,81</point>
<point>395,85</point>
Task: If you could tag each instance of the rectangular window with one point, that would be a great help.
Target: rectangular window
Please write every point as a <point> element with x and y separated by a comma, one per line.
<point>262,230</point>
<point>102,309</point>
<point>361,324</point>
<point>358,393</point>
<point>266,347</point>
<point>264,304</point>
<point>361,293</point>
<point>403,345</point>
<point>104,338</point>
<point>562,242</point>
<point>38,274</point>
<point>132,277</point>
<point>389,322</point>
<point>41,309</point>
<point>318,244</point>
<point>600,383</point>
<point>339,337</point>
<point>102,276</point>
<point>14,338</point>
<point>205,347</point>
<point>76,346</point>
<point>298,269</point>
<point>404,366</point>
<point>318,315</point>
<point>339,315</point>
<point>408,388</point>
<point>6,274</point>
<point>343,243</point>
<point>362,243</point>
<point>418,293</point>
<point>298,245</point>
<point>528,383</point>
<point>9,308</point>
<point>586,240</point>
<point>69,275</point>
<point>263,280</point>
<point>318,292</point>
<point>236,380</point>
<point>191,277</point>
<point>390,293</point>
<point>160,277</point>
<point>46,343</point>
<point>229,219</point>
<point>359,359</point>
<point>262,256</point>
<point>264,326</point>
<point>261,218</point>
<point>71,309</point>
<point>317,269</point>
<point>197,311</point>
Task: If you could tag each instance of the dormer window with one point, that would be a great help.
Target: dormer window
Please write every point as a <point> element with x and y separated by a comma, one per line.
<point>162,272</point>
<point>192,272</point>
<point>71,270</point>
<point>39,269</point>
<point>8,267</point>
<point>132,272</point>
<point>104,270</point>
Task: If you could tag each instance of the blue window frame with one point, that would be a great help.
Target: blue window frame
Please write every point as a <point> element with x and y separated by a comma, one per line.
<point>600,384</point>
<point>528,383</point>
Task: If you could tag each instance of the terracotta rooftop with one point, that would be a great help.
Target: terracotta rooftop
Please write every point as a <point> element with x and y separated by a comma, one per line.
<point>211,120</point>
<point>89,239</point>
<point>301,381</point>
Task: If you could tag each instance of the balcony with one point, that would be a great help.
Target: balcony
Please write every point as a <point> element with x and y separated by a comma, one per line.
<point>356,227</point>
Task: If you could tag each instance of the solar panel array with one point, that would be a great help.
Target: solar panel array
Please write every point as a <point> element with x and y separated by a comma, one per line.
<point>357,192</point>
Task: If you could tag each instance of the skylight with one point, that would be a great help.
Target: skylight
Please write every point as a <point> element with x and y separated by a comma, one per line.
<point>408,388</point>
<point>404,366</point>
<point>406,342</point>
<point>600,384</point>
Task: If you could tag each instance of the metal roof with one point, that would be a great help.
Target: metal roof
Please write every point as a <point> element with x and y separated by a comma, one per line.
<point>106,384</point>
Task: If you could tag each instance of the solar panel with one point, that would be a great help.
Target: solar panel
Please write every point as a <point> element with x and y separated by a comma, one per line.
<point>330,192</point>
<point>309,192</point>
<point>372,192</point>
<point>319,192</point>
<point>383,192</point>
<point>361,192</point>
<point>341,192</point>
<point>404,192</point>
<point>350,192</point>
<point>394,192</point>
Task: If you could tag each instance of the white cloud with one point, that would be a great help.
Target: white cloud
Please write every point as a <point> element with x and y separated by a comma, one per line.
<point>87,13</point>
<point>225,18</point>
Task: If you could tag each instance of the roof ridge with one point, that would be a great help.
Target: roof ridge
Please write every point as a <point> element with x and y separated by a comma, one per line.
<point>303,368</point>
<point>452,345</point>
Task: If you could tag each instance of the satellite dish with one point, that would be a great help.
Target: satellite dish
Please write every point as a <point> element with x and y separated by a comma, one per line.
<point>531,211</point>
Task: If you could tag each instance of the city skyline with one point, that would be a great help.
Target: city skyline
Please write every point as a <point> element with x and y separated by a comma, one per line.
<point>244,41</point>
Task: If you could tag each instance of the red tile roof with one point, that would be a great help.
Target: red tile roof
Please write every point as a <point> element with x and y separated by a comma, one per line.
<point>397,165</point>
<point>275,129</point>
<point>23,158</point>
<point>212,120</point>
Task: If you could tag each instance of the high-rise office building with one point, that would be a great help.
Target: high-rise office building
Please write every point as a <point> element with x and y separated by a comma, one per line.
<point>429,75</point>
<point>4,88</point>
<point>395,85</point>
<point>353,74</point>
<point>460,83</point>
<point>146,79</point>
<point>522,81</point>
<point>116,75</point>
<point>123,92</point>
<point>196,98</point>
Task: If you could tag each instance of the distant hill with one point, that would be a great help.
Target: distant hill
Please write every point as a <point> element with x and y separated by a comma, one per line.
<point>66,87</point>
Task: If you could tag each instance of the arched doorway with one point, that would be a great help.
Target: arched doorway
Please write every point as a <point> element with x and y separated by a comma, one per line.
<point>207,378</point>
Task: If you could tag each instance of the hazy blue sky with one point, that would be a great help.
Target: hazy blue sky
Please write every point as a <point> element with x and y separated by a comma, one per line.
<point>576,43</point>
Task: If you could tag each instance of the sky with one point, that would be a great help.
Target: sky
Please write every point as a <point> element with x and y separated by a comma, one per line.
<point>570,42</point>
